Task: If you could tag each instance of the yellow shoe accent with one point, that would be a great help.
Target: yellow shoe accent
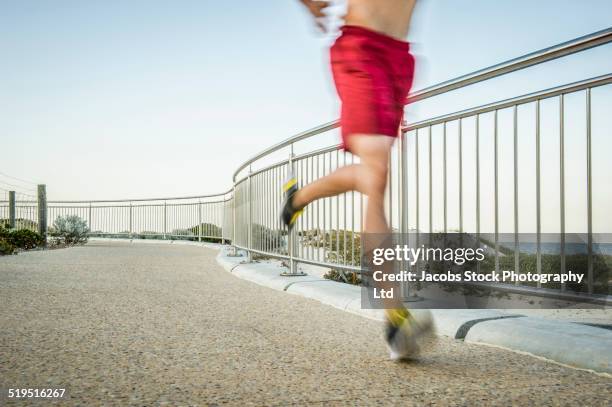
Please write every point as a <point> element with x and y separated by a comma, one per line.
<point>397,316</point>
<point>295,216</point>
<point>289,184</point>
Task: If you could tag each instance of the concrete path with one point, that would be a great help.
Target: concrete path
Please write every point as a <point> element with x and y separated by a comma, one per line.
<point>122,324</point>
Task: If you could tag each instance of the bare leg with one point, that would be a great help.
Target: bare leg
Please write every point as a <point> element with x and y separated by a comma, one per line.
<point>368,177</point>
<point>338,182</point>
<point>374,154</point>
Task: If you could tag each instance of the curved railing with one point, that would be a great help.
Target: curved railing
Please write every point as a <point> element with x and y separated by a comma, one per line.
<point>440,179</point>
<point>456,172</point>
<point>205,217</point>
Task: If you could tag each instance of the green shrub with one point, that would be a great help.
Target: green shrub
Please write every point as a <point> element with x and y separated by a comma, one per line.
<point>208,229</point>
<point>6,247</point>
<point>344,247</point>
<point>24,239</point>
<point>343,277</point>
<point>70,229</point>
<point>20,223</point>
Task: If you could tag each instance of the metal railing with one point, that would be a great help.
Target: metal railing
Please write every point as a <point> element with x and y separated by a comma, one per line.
<point>445,175</point>
<point>27,209</point>
<point>206,217</point>
<point>477,171</point>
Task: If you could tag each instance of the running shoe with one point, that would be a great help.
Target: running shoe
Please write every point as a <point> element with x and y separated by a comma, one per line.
<point>289,213</point>
<point>406,334</point>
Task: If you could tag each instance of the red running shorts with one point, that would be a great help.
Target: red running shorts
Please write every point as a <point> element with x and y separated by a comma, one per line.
<point>373,73</point>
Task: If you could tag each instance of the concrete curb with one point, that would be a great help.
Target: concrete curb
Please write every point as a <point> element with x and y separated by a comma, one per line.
<point>572,344</point>
<point>449,322</point>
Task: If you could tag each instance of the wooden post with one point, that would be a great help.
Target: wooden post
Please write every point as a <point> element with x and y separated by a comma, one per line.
<point>42,210</point>
<point>12,209</point>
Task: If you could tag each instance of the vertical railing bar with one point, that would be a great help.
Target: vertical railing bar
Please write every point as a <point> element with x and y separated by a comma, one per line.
<point>269,212</point>
<point>337,214</point>
<point>361,220</point>
<point>417,183</point>
<point>344,195</point>
<point>165,219</point>
<point>516,191</point>
<point>538,197</point>
<point>300,222</point>
<point>401,196</point>
<point>274,245</point>
<point>250,216</point>
<point>352,219</point>
<point>390,186</point>
<point>496,188</point>
<point>300,239</point>
<point>260,206</point>
<point>330,211</point>
<point>255,219</point>
<point>562,184</point>
<point>478,185</point>
<point>403,182</point>
<point>291,170</point>
<point>478,177</point>
<point>324,231</point>
<point>589,194</point>
<point>263,205</point>
<point>460,175</point>
<point>318,214</point>
<point>234,219</point>
<point>199,220</point>
<point>444,178</point>
<point>311,215</point>
<point>429,134</point>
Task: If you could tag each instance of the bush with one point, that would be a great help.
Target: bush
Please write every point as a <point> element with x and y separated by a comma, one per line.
<point>344,247</point>
<point>6,247</point>
<point>343,277</point>
<point>20,223</point>
<point>208,229</point>
<point>70,229</point>
<point>24,239</point>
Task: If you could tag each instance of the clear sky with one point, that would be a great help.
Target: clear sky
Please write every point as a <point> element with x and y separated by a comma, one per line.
<point>116,99</point>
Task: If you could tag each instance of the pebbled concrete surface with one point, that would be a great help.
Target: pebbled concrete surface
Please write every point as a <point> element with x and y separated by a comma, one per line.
<point>121,324</point>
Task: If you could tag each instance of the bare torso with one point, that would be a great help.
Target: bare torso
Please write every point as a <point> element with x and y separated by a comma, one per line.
<point>391,17</point>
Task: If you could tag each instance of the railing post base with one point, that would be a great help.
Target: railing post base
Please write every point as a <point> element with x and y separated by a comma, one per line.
<point>293,270</point>
<point>233,253</point>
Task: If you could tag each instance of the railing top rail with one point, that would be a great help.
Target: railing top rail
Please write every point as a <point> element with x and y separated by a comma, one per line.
<point>518,100</point>
<point>293,139</point>
<point>143,199</point>
<point>512,65</point>
<point>534,58</point>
